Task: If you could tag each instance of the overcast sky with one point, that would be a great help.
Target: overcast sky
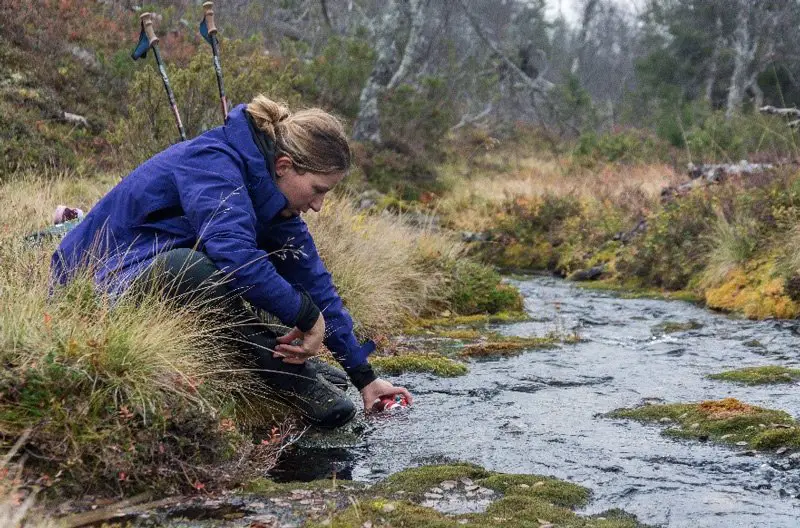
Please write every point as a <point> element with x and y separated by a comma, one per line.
<point>571,8</point>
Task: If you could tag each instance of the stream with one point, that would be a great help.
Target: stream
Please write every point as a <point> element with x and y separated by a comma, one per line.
<point>542,412</point>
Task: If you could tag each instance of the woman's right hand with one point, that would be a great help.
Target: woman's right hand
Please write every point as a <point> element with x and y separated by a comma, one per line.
<point>308,347</point>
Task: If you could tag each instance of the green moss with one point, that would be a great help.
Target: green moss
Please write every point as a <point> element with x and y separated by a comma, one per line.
<point>726,421</point>
<point>759,375</point>
<point>466,320</point>
<point>465,334</point>
<point>669,327</point>
<point>630,289</point>
<point>416,481</point>
<point>549,489</point>
<point>390,513</point>
<point>521,501</point>
<point>434,364</point>
<point>507,346</point>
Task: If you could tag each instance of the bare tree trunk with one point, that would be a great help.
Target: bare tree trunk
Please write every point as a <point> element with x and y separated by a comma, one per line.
<point>367,126</point>
<point>744,49</point>
<point>325,16</point>
<point>417,42</point>
<point>586,20</point>
<point>713,66</point>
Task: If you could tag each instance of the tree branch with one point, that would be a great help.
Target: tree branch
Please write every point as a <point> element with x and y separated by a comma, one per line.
<point>538,84</point>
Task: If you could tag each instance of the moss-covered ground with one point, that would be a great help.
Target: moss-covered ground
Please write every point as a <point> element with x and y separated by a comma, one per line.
<point>435,346</point>
<point>765,375</point>
<point>405,499</point>
<point>435,364</point>
<point>728,421</point>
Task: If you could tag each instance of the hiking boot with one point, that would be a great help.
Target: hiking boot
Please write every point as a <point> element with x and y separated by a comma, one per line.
<point>336,376</point>
<point>305,388</point>
<point>319,401</point>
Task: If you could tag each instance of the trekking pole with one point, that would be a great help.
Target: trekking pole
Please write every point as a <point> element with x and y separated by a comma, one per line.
<point>209,32</point>
<point>148,40</point>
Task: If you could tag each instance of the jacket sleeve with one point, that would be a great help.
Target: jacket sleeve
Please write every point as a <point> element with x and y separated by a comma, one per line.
<point>216,202</point>
<point>303,267</point>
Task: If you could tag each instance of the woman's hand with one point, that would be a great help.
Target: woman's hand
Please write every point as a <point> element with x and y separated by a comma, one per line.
<point>308,347</point>
<point>372,393</point>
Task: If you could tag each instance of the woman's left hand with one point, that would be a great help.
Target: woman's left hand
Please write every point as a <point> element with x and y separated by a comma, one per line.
<point>372,393</point>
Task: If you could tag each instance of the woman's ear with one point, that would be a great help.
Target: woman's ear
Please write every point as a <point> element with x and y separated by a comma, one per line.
<point>282,164</point>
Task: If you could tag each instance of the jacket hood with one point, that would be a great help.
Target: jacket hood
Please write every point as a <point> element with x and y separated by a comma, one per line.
<point>267,199</point>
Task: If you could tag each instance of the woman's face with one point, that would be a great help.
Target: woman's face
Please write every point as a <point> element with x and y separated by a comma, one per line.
<point>305,190</point>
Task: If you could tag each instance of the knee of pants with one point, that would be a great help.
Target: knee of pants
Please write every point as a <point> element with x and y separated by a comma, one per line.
<point>191,272</point>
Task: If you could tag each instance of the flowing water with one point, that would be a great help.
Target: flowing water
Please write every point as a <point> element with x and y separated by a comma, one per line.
<point>542,412</point>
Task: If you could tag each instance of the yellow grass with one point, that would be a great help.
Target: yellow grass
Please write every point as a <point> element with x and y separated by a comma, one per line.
<point>475,193</point>
<point>384,268</point>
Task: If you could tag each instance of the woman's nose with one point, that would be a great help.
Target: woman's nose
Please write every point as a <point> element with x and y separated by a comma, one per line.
<point>316,204</point>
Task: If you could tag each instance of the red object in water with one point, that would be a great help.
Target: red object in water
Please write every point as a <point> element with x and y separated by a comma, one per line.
<point>391,403</point>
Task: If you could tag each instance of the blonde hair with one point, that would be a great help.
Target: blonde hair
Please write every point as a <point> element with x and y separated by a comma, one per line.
<point>314,139</point>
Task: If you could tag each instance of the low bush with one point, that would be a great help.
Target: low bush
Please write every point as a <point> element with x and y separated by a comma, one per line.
<point>624,146</point>
<point>673,250</point>
<point>400,173</point>
<point>476,288</point>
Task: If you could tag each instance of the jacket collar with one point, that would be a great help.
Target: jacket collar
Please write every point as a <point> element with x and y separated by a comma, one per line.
<point>257,151</point>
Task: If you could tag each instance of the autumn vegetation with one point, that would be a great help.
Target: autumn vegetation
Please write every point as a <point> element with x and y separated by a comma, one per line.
<point>485,161</point>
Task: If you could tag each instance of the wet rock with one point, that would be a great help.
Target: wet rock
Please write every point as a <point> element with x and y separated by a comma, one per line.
<point>469,236</point>
<point>590,274</point>
<point>741,443</point>
<point>781,450</point>
<point>665,419</point>
<point>448,484</point>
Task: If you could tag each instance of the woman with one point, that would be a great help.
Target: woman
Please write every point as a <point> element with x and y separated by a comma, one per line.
<point>228,203</point>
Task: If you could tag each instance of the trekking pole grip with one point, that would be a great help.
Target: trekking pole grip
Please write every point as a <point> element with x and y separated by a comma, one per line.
<point>147,21</point>
<point>208,8</point>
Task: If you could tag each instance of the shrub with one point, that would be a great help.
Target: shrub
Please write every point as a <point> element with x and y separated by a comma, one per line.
<point>148,126</point>
<point>476,288</point>
<point>741,137</point>
<point>417,117</point>
<point>399,173</point>
<point>626,146</point>
<point>335,75</point>
<point>673,250</point>
<point>732,243</point>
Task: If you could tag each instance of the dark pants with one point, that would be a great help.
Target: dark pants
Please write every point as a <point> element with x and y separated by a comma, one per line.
<point>185,275</point>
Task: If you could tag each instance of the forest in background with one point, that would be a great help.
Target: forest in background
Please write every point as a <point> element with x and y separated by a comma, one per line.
<point>667,83</point>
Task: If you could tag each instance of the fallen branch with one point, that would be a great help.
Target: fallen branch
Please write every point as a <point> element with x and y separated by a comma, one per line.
<point>784,112</point>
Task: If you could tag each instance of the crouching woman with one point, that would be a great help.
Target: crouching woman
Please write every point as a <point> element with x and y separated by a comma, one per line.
<point>219,217</point>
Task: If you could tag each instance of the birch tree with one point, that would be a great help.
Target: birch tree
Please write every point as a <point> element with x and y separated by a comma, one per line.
<point>392,64</point>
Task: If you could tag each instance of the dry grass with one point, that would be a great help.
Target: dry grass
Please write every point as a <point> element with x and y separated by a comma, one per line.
<point>384,268</point>
<point>119,393</point>
<point>473,200</point>
<point>732,243</point>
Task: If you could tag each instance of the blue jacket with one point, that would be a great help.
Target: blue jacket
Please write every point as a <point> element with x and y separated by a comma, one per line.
<point>215,194</point>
